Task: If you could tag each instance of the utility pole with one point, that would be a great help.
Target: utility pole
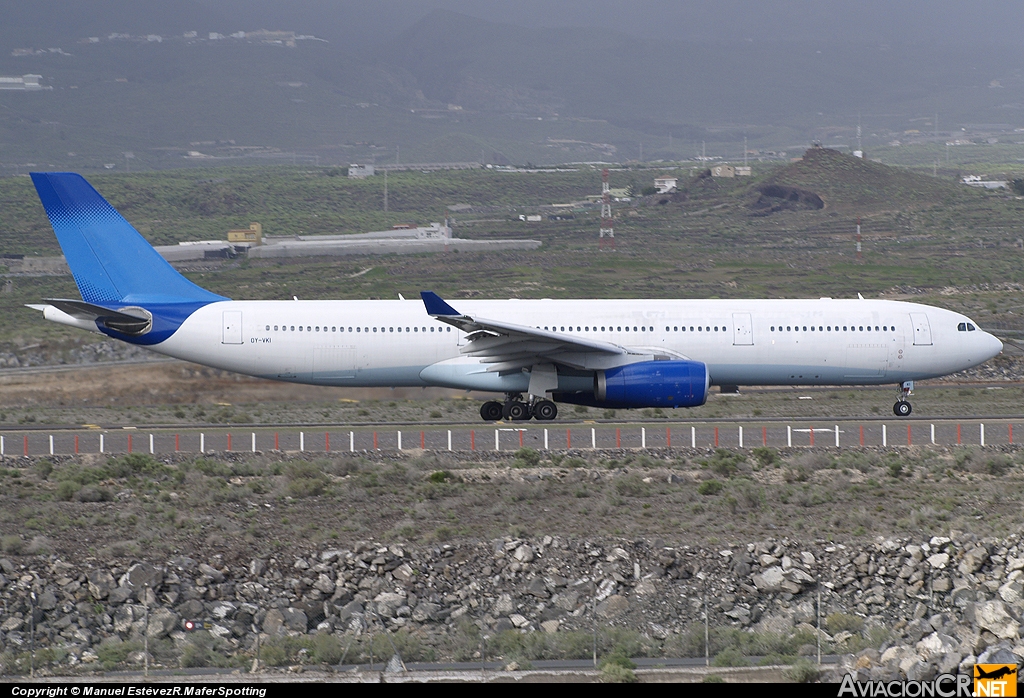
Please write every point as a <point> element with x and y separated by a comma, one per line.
<point>859,257</point>
<point>607,227</point>
<point>385,198</point>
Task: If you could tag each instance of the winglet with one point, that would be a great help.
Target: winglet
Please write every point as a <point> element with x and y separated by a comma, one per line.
<point>435,305</point>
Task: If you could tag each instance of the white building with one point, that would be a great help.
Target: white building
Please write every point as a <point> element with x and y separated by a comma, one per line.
<point>665,185</point>
<point>360,171</point>
<point>29,83</point>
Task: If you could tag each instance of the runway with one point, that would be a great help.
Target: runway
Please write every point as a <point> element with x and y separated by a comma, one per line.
<point>551,436</point>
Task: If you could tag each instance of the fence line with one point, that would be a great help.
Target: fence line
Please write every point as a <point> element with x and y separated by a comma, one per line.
<point>511,437</point>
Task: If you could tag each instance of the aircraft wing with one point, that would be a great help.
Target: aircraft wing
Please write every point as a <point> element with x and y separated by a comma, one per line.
<point>510,347</point>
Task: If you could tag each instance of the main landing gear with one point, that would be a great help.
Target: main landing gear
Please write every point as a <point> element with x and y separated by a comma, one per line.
<point>903,408</point>
<point>515,410</point>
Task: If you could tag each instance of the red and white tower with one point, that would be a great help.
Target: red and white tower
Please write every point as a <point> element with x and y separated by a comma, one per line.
<point>607,238</point>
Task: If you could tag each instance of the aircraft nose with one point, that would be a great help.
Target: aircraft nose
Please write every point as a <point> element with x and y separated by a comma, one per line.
<point>992,346</point>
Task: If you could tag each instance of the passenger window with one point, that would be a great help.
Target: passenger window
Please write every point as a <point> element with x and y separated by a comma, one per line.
<point>788,328</point>
<point>300,328</point>
<point>844,328</point>
<point>334,329</point>
<point>374,329</point>
<point>618,329</point>
<point>449,329</point>
<point>773,328</point>
<point>828,328</point>
<point>861,329</point>
<point>643,329</point>
<point>700,329</point>
<point>390,329</point>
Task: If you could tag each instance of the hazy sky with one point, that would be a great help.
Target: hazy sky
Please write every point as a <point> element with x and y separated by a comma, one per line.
<point>964,22</point>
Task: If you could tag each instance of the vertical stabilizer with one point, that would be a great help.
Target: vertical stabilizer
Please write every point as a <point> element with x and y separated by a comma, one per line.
<point>111,262</point>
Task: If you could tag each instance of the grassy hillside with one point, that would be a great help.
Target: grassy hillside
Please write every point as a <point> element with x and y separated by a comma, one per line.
<point>169,207</point>
<point>850,184</point>
<point>924,239</point>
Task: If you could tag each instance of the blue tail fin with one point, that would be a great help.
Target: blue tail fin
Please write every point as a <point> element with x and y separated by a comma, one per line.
<point>110,261</point>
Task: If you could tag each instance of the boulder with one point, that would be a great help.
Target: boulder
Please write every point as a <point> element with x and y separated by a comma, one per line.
<point>143,574</point>
<point>100,583</point>
<point>993,616</point>
<point>613,606</point>
<point>973,560</point>
<point>295,620</point>
<point>161,622</point>
<point>523,553</point>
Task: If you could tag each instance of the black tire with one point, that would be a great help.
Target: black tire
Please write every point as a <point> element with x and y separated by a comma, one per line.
<point>518,412</point>
<point>902,409</point>
<point>490,411</point>
<point>545,410</point>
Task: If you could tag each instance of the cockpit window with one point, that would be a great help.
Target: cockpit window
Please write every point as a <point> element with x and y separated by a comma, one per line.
<point>970,327</point>
<point>962,327</point>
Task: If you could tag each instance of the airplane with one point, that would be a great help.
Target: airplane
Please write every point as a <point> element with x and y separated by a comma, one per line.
<point>617,354</point>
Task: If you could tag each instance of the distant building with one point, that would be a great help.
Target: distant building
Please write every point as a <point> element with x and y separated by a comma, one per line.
<point>25,83</point>
<point>723,171</point>
<point>665,185</point>
<point>744,171</point>
<point>360,171</point>
<point>977,181</point>
<point>254,235</point>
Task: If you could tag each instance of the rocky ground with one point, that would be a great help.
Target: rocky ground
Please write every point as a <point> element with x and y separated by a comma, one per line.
<point>909,605</point>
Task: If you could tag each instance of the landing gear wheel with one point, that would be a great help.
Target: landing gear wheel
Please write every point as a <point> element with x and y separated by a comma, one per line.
<point>491,411</point>
<point>545,410</point>
<point>518,411</point>
<point>902,408</point>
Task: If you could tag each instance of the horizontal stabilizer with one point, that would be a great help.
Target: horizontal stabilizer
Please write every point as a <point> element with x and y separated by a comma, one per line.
<point>130,321</point>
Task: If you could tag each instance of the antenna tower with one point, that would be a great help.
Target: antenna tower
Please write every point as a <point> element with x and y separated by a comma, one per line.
<point>607,238</point>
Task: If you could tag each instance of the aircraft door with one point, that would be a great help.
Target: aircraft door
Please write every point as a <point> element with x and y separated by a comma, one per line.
<point>922,330</point>
<point>232,327</point>
<point>743,331</point>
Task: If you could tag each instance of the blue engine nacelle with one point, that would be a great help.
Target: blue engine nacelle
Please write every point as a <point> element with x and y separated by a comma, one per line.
<point>653,384</point>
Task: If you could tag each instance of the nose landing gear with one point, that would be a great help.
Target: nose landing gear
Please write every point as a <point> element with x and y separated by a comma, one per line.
<point>903,408</point>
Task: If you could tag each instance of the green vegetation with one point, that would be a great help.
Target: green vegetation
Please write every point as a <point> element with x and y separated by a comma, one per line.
<point>927,238</point>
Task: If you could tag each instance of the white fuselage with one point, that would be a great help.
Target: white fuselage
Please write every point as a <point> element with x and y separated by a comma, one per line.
<point>743,342</point>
